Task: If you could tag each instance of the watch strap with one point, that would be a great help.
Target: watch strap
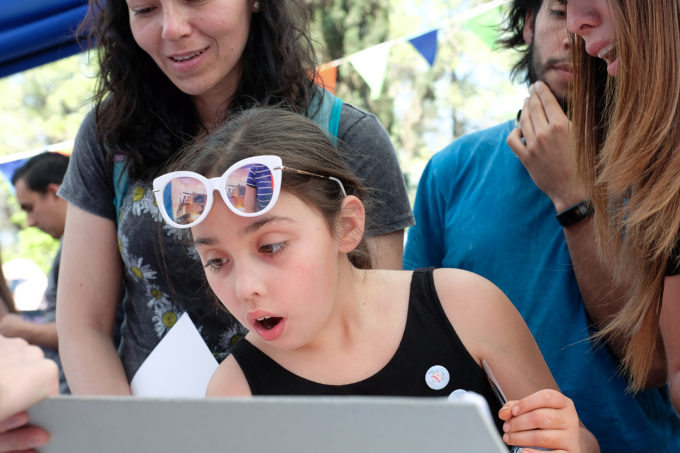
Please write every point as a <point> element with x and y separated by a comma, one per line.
<point>574,214</point>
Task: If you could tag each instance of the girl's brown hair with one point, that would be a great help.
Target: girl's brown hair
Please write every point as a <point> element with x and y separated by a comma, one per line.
<point>299,143</point>
<point>627,138</point>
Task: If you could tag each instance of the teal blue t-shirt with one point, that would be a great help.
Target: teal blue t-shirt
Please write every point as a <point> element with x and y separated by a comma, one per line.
<point>478,209</point>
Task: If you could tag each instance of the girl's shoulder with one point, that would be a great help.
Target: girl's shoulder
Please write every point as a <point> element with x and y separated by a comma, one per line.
<point>481,314</point>
<point>228,380</point>
<point>458,286</point>
<point>453,286</point>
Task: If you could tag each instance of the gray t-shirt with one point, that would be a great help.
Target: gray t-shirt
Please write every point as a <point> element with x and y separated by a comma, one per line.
<point>163,277</point>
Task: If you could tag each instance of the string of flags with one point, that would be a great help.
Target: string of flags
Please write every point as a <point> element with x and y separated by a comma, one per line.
<point>9,164</point>
<point>371,63</point>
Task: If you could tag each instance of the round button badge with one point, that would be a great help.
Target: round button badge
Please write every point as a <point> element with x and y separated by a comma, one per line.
<point>437,377</point>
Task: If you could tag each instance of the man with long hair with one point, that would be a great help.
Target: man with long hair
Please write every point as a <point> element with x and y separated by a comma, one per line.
<point>507,203</point>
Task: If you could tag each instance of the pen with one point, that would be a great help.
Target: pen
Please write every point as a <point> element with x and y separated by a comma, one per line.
<point>524,141</point>
<point>495,386</point>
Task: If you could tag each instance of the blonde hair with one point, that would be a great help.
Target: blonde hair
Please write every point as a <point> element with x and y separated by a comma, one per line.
<point>627,138</point>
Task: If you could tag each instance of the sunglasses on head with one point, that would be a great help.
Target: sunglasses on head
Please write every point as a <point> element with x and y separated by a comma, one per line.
<point>249,188</point>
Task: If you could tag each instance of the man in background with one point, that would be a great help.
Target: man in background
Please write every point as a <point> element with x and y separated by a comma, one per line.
<point>507,203</point>
<point>36,184</point>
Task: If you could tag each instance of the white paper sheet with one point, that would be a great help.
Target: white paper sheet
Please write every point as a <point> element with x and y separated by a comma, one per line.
<point>181,365</point>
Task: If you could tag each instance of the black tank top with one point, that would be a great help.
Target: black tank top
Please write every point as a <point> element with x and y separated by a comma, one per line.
<point>429,341</point>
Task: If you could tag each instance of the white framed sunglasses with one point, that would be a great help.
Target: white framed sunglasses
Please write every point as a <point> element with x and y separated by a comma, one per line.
<point>249,188</point>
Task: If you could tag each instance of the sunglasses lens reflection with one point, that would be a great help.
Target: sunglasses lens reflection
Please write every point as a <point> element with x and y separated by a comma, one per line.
<point>184,199</point>
<point>250,188</point>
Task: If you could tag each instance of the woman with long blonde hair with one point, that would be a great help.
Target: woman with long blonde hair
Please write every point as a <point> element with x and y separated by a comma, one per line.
<point>627,136</point>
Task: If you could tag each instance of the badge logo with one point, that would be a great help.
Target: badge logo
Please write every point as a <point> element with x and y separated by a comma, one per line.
<point>437,377</point>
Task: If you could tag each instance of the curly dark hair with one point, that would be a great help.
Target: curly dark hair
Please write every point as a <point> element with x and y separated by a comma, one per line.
<point>512,37</point>
<point>141,114</point>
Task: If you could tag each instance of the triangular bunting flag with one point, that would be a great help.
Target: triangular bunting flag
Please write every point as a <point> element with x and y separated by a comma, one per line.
<point>327,76</point>
<point>485,26</point>
<point>9,164</point>
<point>7,169</point>
<point>426,44</point>
<point>371,64</point>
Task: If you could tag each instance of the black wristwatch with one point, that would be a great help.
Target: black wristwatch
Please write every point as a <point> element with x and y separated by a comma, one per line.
<point>581,210</point>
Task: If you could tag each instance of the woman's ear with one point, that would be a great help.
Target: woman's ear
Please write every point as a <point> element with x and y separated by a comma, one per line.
<point>350,224</point>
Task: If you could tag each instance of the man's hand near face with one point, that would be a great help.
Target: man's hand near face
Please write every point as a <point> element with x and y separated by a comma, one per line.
<point>545,152</point>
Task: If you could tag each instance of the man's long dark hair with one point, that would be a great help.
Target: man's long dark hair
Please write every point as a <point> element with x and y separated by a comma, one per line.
<point>141,114</point>
<point>512,37</point>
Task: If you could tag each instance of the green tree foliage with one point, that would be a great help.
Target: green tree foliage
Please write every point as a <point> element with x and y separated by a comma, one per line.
<point>44,105</point>
<point>423,108</point>
<point>345,27</point>
<point>41,107</point>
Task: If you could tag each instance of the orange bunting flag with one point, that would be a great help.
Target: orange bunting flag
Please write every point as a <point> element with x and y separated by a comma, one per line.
<point>327,76</point>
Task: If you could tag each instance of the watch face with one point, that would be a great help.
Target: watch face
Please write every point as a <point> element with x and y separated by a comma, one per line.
<point>575,214</point>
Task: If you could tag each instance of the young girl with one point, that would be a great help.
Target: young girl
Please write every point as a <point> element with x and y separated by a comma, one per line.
<point>295,273</point>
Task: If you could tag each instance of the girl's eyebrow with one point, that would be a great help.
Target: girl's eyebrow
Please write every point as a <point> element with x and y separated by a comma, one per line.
<point>204,241</point>
<point>260,223</point>
<point>210,240</point>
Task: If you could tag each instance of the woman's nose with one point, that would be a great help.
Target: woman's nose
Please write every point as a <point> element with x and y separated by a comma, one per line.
<point>176,22</point>
<point>581,16</point>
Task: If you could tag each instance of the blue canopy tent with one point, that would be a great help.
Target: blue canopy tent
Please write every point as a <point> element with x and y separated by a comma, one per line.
<point>35,32</point>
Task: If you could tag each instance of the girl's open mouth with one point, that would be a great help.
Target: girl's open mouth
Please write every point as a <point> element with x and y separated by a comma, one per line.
<point>268,322</point>
<point>268,327</point>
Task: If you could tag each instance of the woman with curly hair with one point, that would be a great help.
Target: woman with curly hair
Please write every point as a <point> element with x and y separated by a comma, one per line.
<point>171,71</point>
<point>626,116</point>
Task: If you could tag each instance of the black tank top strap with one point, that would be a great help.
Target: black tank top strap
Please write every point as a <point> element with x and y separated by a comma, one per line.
<point>424,290</point>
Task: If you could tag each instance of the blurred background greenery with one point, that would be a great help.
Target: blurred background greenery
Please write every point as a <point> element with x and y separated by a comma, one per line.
<point>423,107</point>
